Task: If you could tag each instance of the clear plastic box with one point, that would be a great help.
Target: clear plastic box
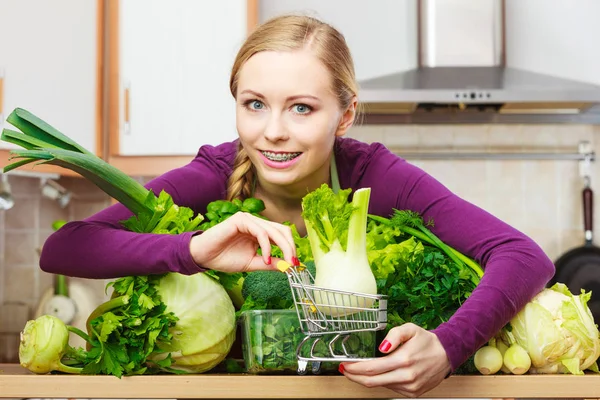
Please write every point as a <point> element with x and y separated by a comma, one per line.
<point>270,339</point>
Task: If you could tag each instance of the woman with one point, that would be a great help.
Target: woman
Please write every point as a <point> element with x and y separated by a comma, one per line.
<point>296,95</point>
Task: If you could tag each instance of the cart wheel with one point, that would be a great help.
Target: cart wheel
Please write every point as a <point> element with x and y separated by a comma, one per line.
<point>302,367</point>
<point>316,367</point>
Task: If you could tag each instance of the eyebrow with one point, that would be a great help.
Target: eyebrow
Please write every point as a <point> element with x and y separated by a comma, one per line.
<point>296,97</point>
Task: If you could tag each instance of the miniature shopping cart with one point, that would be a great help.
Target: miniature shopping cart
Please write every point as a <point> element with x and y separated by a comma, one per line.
<point>329,319</point>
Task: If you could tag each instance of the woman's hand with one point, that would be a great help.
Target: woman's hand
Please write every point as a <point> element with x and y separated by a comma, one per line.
<point>231,245</point>
<point>413,368</point>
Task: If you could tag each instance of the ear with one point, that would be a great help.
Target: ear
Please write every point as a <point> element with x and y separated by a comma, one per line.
<point>347,119</point>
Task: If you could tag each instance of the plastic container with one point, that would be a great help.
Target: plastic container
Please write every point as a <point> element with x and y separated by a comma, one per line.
<point>270,339</point>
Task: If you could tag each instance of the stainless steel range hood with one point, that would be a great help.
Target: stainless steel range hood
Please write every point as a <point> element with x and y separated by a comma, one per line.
<point>462,76</point>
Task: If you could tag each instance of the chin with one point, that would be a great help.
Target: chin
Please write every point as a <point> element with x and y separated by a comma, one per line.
<point>279,178</point>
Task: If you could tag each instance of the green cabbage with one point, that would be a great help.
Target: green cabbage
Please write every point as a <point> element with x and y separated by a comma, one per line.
<point>558,331</point>
<point>205,330</point>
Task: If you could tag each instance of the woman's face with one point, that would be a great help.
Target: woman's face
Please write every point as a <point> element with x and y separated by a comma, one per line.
<point>288,118</point>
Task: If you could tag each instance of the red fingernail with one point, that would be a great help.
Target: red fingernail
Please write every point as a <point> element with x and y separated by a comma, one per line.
<point>384,346</point>
<point>269,260</point>
<point>296,261</point>
<point>341,368</point>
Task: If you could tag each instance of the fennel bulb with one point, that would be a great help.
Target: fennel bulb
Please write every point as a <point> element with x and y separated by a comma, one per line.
<point>337,231</point>
<point>558,331</point>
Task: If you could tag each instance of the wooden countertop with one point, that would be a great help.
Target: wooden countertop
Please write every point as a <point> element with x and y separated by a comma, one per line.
<point>16,382</point>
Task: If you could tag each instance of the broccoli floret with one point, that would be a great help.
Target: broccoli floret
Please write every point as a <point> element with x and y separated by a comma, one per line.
<point>270,289</point>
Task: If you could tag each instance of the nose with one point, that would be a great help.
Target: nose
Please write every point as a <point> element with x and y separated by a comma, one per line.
<point>275,129</point>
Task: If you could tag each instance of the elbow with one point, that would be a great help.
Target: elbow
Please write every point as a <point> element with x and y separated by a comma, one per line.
<point>538,261</point>
<point>46,264</point>
<point>50,256</point>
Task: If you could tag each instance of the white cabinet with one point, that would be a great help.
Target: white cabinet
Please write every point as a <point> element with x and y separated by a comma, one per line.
<point>554,37</point>
<point>382,34</point>
<point>48,64</point>
<point>175,57</point>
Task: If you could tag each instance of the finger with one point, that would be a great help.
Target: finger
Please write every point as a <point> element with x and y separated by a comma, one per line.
<point>281,236</point>
<point>398,335</point>
<point>371,367</point>
<point>266,232</point>
<point>288,248</point>
<point>263,235</point>
<point>258,264</point>
<point>391,378</point>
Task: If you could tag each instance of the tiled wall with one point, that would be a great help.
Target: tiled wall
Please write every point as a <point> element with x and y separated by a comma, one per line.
<point>542,198</point>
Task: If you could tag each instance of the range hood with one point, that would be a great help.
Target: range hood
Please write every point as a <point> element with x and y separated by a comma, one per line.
<point>462,76</point>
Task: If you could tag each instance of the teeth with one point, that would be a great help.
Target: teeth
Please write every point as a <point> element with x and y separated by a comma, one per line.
<point>280,156</point>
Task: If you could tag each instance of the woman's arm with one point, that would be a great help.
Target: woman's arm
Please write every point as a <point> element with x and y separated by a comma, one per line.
<point>100,247</point>
<point>516,268</point>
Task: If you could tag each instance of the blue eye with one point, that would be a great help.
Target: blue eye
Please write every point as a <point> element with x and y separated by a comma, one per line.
<point>302,109</point>
<point>256,105</point>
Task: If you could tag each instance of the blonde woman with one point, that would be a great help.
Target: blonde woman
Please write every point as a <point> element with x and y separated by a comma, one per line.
<point>294,85</point>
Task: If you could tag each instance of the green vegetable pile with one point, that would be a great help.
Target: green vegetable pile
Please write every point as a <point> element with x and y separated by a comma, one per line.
<point>147,325</point>
<point>425,280</point>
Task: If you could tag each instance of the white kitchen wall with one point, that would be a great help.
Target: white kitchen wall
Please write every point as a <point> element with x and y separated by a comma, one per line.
<point>381,34</point>
<point>554,37</point>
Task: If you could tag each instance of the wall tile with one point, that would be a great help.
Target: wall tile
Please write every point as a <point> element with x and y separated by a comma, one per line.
<point>20,248</point>
<point>470,137</point>
<point>538,137</point>
<point>24,186</point>
<point>569,197</point>
<point>367,133</point>
<point>401,137</point>
<point>541,193</point>
<point>436,136</point>
<point>50,212</point>
<point>24,213</point>
<point>505,137</point>
<point>85,209</point>
<point>569,136</point>
<point>19,285</point>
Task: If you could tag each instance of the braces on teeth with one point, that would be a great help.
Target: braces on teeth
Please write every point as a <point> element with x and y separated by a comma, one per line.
<point>280,157</point>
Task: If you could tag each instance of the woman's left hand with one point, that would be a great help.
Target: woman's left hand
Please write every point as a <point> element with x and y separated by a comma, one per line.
<point>415,363</point>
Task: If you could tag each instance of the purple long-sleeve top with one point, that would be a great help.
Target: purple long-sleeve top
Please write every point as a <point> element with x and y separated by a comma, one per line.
<point>516,268</point>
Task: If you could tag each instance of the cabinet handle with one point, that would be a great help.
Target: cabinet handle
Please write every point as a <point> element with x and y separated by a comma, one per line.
<point>126,111</point>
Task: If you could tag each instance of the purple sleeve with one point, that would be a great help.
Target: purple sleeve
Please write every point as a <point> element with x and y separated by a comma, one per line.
<point>516,268</point>
<point>100,247</point>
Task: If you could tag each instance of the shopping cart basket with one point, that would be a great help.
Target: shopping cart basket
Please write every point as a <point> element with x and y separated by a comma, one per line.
<point>330,317</point>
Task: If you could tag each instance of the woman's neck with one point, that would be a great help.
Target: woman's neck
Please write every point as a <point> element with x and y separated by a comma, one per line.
<point>284,203</point>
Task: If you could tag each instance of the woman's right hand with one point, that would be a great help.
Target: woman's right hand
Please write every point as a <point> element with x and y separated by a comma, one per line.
<point>231,245</point>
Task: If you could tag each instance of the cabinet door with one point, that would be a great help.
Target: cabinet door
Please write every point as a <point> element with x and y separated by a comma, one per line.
<point>382,34</point>
<point>48,64</point>
<point>175,59</point>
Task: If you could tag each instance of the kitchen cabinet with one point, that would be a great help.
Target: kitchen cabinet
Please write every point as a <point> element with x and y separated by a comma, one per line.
<point>16,382</point>
<point>49,65</point>
<point>171,62</point>
<point>382,35</point>
<point>554,37</point>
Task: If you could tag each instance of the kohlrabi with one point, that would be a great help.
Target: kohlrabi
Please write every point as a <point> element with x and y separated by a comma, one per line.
<point>337,232</point>
<point>44,343</point>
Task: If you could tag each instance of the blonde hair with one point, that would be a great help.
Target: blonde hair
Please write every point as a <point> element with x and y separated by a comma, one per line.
<point>289,33</point>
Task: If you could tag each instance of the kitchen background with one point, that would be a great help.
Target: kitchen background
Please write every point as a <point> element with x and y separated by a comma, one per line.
<point>540,197</point>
